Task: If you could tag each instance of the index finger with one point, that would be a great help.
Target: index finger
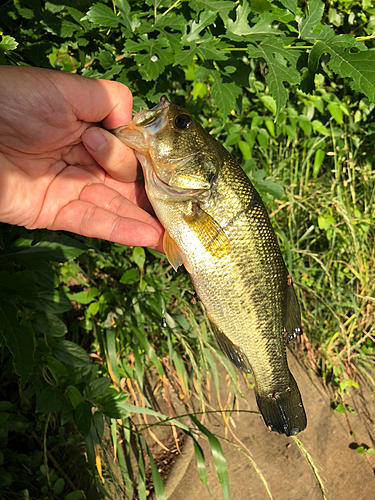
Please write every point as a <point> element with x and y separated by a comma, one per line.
<point>95,101</point>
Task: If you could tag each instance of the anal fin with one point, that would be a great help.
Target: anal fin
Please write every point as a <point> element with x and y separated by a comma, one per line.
<point>233,352</point>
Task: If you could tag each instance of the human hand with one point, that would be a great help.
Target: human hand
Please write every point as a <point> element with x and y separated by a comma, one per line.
<point>57,170</point>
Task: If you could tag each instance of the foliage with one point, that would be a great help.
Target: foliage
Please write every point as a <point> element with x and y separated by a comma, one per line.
<point>287,88</point>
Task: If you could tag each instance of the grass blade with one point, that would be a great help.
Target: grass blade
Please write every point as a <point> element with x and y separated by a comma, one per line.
<point>308,457</point>
<point>218,456</point>
<point>157,480</point>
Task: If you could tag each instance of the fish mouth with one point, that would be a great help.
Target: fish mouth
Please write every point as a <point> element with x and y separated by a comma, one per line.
<point>145,124</point>
<point>146,118</point>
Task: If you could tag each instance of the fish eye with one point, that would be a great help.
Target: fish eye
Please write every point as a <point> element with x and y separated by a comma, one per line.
<point>182,121</point>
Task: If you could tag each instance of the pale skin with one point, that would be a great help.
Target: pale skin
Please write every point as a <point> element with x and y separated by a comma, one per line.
<point>59,168</point>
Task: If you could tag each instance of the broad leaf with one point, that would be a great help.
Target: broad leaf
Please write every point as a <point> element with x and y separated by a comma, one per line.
<point>49,400</point>
<point>240,26</point>
<point>224,95</point>
<point>71,353</point>
<point>256,32</point>
<point>53,246</point>
<point>19,339</point>
<point>206,18</point>
<point>97,387</point>
<point>83,418</point>
<point>102,15</point>
<point>20,283</point>
<point>50,324</point>
<point>278,72</point>
<point>312,20</point>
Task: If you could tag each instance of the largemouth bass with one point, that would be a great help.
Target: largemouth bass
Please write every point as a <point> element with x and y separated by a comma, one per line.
<point>217,226</point>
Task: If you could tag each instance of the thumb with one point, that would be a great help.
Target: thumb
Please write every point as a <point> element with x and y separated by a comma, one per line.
<point>117,159</point>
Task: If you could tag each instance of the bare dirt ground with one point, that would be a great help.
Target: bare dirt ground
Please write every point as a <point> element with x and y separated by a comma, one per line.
<point>330,438</point>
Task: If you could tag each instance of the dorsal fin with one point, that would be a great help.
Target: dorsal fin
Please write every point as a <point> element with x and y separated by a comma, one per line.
<point>233,352</point>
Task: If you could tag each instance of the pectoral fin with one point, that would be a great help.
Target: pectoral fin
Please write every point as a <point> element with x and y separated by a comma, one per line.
<point>209,232</point>
<point>292,316</point>
<point>172,251</point>
<point>234,353</point>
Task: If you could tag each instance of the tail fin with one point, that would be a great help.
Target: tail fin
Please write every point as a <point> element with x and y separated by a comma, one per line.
<point>283,412</point>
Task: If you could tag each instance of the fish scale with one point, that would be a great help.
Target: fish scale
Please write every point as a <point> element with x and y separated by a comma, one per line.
<point>217,226</point>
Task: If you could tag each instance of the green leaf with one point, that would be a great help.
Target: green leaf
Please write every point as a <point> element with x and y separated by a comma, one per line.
<point>222,7</point>
<point>158,54</point>
<point>313,18</point>
<point>147,411</point>
<point>318,160</point>
<point>74,495</point>
<point>102,15</point>
<point>261,29</point>
<point>218,456</point>
<point>271,50</point>
<point>148,349</point>
<point>84,297</point>
<point>19,339</point>
<point>19,283</point>
<point>70,353</point>
<point>325,41</point>
<point>111,345</point>
<point>7,43</point>
<point>336,112</point>
<point>224,95</point>
<point>112,405</point>
<point>201,465</point>
<point>75,397</point>
<point>240,26</point>
<point>206,18</point>
<point>156,479</point>
<point>50,324</point>
<point>130,277</point>
<point>96,388</point>
<point>55,366</point>
<point>49,400</point>
<point>82,418</point>
<point>320,128</point>
<point>53,246</point>
<point>58,25</point>
<point>124,8</point>
<point>325,222</point>
<point>290,5</point>
<point>59,486</point>
<point>50,301</point>
<point>139,257</point>
<point>359,68</point>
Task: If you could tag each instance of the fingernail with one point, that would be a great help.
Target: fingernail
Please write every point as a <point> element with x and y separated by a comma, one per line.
<point>93,139</point>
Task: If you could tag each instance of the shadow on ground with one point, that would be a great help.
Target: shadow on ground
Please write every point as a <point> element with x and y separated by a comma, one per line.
<point>330,438</point>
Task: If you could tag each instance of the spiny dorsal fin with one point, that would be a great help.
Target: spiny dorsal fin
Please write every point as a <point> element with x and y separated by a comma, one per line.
<point>234,353</point>
<point>292,316</point>
<point>209,232</point>
<point>172,251</point>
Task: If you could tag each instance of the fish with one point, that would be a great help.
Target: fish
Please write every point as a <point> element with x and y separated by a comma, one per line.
<point>217,226</point>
